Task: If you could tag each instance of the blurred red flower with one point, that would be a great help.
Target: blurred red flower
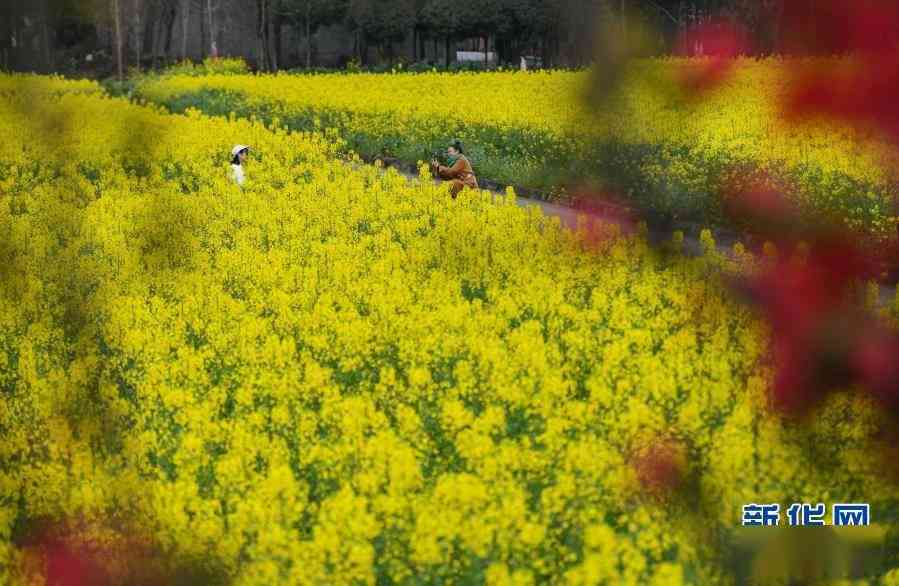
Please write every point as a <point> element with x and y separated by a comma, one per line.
<point>603,210</point>
<point>65,567</point>
<point>866,95</point>
<point>720,43</point>
<point>833,27</point>
<point>64,557</point>
<point>756,202</point>
<point>876,359</point>
<point>814,323</point>
<point>66,553</point>
<point>866,91</point>
<point>661,466</point>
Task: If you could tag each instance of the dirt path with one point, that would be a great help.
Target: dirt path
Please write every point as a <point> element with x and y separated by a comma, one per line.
<point>691,245</point>
<point>568,217</point>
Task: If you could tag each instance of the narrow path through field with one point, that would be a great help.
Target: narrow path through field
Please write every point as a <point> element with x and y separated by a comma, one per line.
<point>691,245</point>
<point>568,217</point>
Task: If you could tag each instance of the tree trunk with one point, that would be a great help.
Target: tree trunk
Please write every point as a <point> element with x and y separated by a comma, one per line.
<point>45,47</point>
<point>357,47</point>
<point>486,50</point>
<point>261,62</point>
<point>308,17</point>
<point>14,46</point>
<point>446,45</point>
<point>266,35</point>
<point>138,33</point>
<point>43,33</point>
<point>117,23</point>
<point>546,50</point>
<point>185,27</point>
<point>269,42</point>
<point>558,48</point>
<point>203,39</point>
<point>260,36</point>
<point>279,45</point>
<point>169,31</point>
<point>154,22</point>
<point>157,16</point>
<point>266,43</point>
<point>213,46</point>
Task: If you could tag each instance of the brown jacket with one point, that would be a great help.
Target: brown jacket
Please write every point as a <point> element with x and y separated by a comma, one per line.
<point>461,174</point>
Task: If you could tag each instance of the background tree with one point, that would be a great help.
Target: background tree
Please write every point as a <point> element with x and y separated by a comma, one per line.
<point>211,10</point>
<point>542,22</point>
<point>168,10</point>
<point>184,7</point>
<point>307,16</point>
<point>381,22</point>
<point>511,31</point>
<point>481,19</point>
<point>136,31</point>
<point>7,35</point>
<point>441,20</point>
<point>117,24</point>
<point>263,16</point>
<point>57,35</point>
<point>418,30</point>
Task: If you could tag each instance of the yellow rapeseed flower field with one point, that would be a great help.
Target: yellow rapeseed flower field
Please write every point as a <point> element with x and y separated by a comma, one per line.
<point>535,128</point>
<point>336,376</point>
<point>17,83</point>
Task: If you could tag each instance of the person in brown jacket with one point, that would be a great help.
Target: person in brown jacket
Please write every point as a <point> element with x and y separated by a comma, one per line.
<point>459,173</point>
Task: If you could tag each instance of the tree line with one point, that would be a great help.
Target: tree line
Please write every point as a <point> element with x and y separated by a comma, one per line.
<point>45,34</point>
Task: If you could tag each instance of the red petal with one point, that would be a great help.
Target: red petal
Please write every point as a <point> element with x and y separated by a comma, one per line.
<point>877,361</point>
<point>838,26</point>
<point>720,43</point>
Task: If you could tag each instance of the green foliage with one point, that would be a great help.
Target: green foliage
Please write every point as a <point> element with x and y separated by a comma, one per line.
<point>312,14</point>
<point>439,18</point>
<point>382,21</point>
<point>509,18</point>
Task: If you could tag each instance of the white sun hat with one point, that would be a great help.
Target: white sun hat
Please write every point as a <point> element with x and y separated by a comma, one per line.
<point>237,149</point>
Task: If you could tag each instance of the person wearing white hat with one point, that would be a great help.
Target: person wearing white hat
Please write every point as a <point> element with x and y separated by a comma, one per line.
<point>238,158</point>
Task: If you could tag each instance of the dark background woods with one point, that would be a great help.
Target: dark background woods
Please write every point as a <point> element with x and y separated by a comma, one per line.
<point>100,38</point>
